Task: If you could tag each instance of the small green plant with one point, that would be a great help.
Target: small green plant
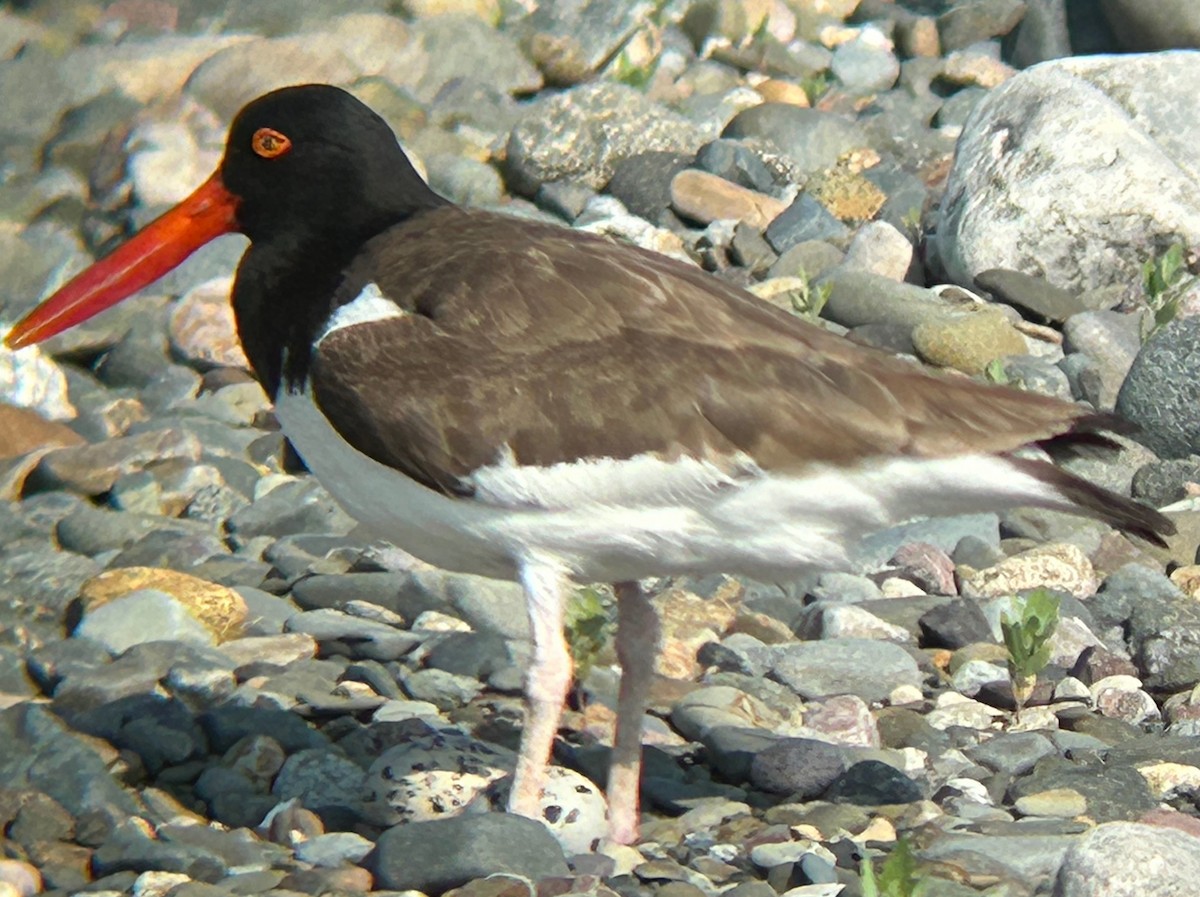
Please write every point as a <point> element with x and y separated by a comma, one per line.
<point>1027,632</point>
<point>994,372</point>
<point>815,86</point>
<point>897,877</point>
<point>1166,278</point>
<point>912,223</point>
<point>810,298</point>
<point>629,72</point>
<point>588,627</point>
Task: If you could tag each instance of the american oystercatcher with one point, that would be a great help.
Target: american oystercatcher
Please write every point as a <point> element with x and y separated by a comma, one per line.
<point>520,400</point>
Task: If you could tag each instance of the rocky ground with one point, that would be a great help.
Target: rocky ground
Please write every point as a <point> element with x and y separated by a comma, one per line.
<point>210,686</point>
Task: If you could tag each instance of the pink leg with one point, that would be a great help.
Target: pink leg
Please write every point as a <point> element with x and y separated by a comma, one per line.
<point>637,646</point>
<point>547,684</point>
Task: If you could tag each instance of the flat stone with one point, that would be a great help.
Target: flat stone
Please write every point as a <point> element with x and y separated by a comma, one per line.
<point>706,197</point>
<point>866,668</point>
<point>1033,294</point>
<point>92,469</point>
<point>455,851</point>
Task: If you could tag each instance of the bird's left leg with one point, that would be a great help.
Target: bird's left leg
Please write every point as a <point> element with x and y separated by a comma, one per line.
<point>545,584</point>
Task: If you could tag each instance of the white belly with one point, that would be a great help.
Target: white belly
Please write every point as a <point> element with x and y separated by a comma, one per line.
<point>622,520</point>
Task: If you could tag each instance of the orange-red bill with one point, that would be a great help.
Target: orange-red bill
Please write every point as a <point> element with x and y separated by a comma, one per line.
<point>160,246</point>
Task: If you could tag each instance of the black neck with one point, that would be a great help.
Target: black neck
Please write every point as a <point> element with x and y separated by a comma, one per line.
<point>288,286</point>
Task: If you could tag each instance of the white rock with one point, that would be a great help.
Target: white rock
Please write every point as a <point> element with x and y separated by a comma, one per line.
<point>1022,196</point>
<point>31,379</point>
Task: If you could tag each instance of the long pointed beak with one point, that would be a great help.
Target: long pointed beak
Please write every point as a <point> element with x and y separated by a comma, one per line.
<point>160,246</point>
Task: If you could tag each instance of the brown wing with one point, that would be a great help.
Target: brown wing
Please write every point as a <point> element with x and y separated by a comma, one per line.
<point>562,345</point>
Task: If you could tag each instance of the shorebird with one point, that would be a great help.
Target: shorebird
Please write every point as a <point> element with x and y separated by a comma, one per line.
<point>520,400</point>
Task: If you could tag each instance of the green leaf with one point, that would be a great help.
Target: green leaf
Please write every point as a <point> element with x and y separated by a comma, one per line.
<point>898,877</point>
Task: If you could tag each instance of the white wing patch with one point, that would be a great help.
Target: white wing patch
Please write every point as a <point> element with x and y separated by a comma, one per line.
<point>369,305</point>
<point>641,481</point>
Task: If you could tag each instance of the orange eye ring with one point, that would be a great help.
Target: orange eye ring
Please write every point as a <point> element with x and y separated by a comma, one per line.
<point>269,143</point>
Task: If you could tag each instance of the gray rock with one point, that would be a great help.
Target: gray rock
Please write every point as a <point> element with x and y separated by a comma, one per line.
<point>1042,35</point>
<point>866,64</point>
<point>320,778</point>
<point>737,162</point>
<point>227,724</point>
<point>466,48</point>
<point>1112,341</point>
<point>145,615</point>
<point>811,259</point>
<point>1126,859</point>
<point>355,637</point>
<point>467,182</point>
<point>845,588</point>
<point>571,42</point>
<point>1162,389</point>
<point>338,589</point>
<point>733,749</point>
<point>863,297</point>
<point>968,23</point>
<point>1161,624</point>
<point>813,139</point>
<point>800,767</point>
<point>41,753</point>
<point>956,111</point>
<point>803,221</point>
<point>996,204</point>
<point>1018,857</point>
<point>954,625</point>
<point>881,248</point>
<point>863,667</point>
<point>92,531</point>
<point>643,182</point>
<point>175,549</point>
<point>92,469</point>
<point>900,727</point>
<point>566,199</point>
<point>334,849</point>
<point>1160,483</point>
<point>302,506</point>
<point>872,782</point>
<point>1033,373</point>
<point>1165,25</point>
<point>1012,753</point>
<point>1112,791</point>
<point>942,532</point>
<point>41,579</point>
<point>446,691</point>
<point>1034,294</point>
<point>455,851</point>
<point>583,132</point>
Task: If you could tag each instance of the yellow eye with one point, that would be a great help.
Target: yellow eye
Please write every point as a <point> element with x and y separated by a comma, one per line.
<point>269,143</point>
